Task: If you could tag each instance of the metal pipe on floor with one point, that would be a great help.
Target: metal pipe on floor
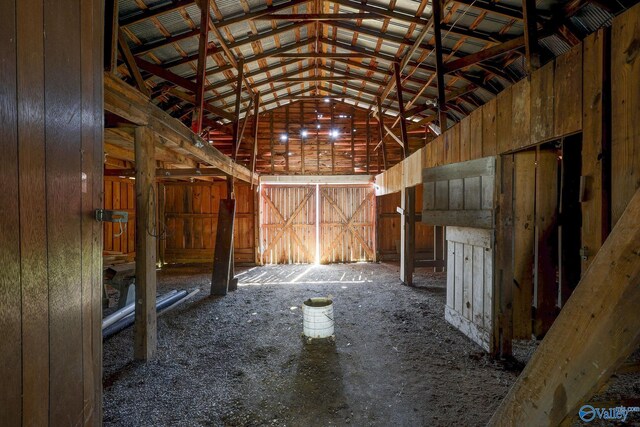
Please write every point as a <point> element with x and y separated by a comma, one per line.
<point>129,319</point>
<point>128,309</point>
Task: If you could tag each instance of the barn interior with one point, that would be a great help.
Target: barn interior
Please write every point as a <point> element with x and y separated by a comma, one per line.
<point>459,179</point>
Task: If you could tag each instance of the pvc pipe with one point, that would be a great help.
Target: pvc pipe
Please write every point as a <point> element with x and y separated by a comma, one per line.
<point>128,309</point>
<point>129,320</point>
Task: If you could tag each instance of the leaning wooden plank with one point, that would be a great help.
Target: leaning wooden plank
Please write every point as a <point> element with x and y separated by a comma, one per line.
<point>223,252</point>
<point>596,331</point>
<point>124,101</point>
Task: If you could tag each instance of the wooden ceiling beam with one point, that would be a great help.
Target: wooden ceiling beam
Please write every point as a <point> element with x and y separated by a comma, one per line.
<point>324,55</point>
<point>440,70</point>
<point>317,79</point>
<point>388,13</point>
<point>196,121</point>
<point>495,8</point>
<point>219,112</point>
<point>318,16</point>
<point>531,35</point>
<point>153,12</point>
<point>259,13</point>
<point>131,64</point>
<point>360,51</point>
<point>483,55</point>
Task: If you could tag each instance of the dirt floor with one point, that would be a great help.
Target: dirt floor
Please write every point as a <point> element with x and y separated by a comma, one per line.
<point>240,360</point>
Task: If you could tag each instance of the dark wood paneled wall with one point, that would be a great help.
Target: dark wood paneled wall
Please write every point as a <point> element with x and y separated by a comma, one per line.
<point>50,251</point>
<point>120,195</point>
<point>191,218</point>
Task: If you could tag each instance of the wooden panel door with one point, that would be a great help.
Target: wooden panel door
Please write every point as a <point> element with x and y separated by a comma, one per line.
<point>470,263</point>
<point>347,224</point>
<point>288,224</point>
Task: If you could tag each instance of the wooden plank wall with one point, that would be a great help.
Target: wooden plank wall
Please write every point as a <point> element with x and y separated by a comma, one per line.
<point>493,129</point>
<point>591,89</point>
<point>51,245</point>
<point>352,152</point>
<point>551,106</point>
<point>625,113</point>
<point>388,228</point>
<point>191,219</point>
<point>120,194</point>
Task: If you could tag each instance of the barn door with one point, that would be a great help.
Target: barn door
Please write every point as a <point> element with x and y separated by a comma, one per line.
<point>460,196</point>
<point>347,224</point>
<point>288,224</point>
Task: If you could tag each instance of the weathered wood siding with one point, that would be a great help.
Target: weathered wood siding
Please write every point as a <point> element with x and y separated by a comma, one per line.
<point>191,219</point>
<point>51,127</point>
<point>470,269</point>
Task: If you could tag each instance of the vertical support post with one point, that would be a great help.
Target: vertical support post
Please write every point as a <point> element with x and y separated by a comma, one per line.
<point>302,167</point>
<point>236,124</point>
<point>196,121</point>
<point>110,35</point>
<point>146,340</point>
<point>401,117</point>
<point>353,135</point>
<point>503,280</point>
<point>286,143</point>
<point>440,71</point>
<point>382,133</point>
<point>367,147</point>
<point>161,220</point>
<point>333,143</point>
<point>530,14</point>
<point>256,120</point>
<point>440,248</point>
<point>408,235</point>
<point>273,162</point>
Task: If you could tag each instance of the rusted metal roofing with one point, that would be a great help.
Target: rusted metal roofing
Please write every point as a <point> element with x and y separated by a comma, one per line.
<point>165,33</point>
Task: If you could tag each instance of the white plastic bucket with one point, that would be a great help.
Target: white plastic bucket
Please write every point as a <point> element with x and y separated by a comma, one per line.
<point>318,318</point>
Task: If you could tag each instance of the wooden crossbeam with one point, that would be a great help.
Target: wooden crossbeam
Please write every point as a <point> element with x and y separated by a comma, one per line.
<point>317,79</point>
<point>328,55</point>
<point>495,8</point>
<point>381,128</point>
<point>154,12</point>
<point>440,70</point>
<point>259,13</point>
<point>132,66</point>
<point>110,35</point>
<point>403,123</point>
<point>196,121</point>
<point>318,16</point>
<point>484,54</point>
<point>531,35</point>
<point>386,12</point>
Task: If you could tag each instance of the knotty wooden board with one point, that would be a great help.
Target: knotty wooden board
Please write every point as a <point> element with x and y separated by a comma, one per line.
<point>625,112</point>
<point>567,90</point>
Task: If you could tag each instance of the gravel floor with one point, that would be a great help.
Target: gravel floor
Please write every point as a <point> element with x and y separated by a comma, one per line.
<point>240,360</point>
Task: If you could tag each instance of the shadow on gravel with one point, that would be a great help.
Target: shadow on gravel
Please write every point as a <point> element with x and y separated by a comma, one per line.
<point>318,388</point>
